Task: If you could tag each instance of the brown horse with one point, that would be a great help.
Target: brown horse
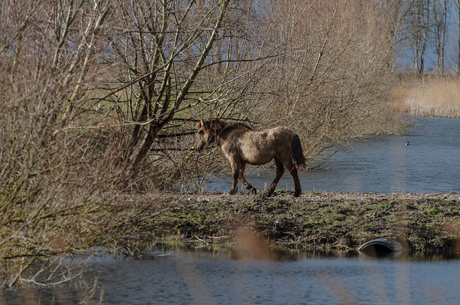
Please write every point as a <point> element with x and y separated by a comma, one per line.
<point>242,145</point>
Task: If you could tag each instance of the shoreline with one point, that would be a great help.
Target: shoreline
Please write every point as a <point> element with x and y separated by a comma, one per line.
<point>428,223</point>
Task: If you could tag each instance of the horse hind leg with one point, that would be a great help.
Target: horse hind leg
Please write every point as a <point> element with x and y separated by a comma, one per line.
<point>246,184</point>
<point>293,171</point>
<point>298,189</point>
<point>279,174</point>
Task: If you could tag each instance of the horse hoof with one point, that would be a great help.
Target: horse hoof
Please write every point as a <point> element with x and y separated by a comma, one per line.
<point>232,192</point>
<point>254,191</point>
<point>296,194</point>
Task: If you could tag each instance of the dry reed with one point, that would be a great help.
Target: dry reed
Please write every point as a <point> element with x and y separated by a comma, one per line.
<point>428,98</point>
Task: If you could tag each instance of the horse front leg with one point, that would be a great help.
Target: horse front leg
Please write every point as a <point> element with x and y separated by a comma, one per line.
<point>235,174</point>
<point>246,184</point>
<point>279,174</point>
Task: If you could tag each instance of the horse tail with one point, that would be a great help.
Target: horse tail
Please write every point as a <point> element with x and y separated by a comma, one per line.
<point>297,155</point>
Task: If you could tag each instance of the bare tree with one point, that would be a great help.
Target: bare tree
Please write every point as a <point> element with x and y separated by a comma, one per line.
<point>161,47</point>
<point>420,26</point>
<point>177,62</point>
<point>457,5</point>
<point>440,29</point>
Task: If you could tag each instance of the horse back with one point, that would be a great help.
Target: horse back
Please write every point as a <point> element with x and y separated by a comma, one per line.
<point>259,146</point>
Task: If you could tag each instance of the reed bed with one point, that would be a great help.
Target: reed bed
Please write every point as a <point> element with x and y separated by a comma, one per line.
<point>428,98</point>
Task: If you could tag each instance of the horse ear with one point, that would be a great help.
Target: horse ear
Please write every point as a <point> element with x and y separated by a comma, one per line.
<point>199,124</point>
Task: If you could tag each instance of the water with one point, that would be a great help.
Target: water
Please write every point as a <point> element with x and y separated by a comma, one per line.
<point>190,278</point>
<point>430,164</point>
<point>206,278</point>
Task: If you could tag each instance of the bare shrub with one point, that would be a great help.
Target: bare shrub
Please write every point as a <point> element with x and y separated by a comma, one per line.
<point>56,166</point>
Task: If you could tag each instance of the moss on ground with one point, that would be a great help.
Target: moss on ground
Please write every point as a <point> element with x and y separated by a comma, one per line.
<point>313,221</point>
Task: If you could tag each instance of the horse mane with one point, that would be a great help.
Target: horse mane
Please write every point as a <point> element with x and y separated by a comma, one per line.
<point>234,125</point>
<point>216,126</point>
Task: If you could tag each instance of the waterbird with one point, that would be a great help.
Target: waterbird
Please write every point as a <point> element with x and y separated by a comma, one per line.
<point>407,143</point>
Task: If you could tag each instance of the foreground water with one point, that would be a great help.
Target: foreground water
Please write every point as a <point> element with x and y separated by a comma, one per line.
<point>206,278</point>
<point>430,164</point>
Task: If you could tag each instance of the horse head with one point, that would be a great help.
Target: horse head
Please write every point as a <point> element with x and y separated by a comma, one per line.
<point>208,131</point>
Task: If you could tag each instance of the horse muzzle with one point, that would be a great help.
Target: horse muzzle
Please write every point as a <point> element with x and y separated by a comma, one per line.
<point>200,147</point>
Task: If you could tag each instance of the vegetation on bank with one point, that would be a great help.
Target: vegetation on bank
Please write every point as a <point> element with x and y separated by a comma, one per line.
<point>342,221</point>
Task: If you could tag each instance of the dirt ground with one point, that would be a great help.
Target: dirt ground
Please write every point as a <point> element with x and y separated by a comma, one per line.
<point>313,221</point>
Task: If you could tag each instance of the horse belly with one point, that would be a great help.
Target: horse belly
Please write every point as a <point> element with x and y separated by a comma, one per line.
<point>258,152</point>
<point>257,158</point>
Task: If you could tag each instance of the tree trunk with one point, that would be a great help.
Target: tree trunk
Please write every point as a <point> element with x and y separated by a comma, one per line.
<point>458,20</point>
<point>157,124</point>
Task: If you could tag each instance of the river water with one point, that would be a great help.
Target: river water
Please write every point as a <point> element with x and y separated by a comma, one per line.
<point>203,278</point>
<point>429,164</point>
<point>197,277</point>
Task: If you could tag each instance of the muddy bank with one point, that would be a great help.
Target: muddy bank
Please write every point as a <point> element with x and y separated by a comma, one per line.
<point>421,222</point>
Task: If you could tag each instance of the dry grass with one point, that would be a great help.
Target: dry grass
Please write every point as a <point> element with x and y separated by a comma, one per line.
<point>428,97</point>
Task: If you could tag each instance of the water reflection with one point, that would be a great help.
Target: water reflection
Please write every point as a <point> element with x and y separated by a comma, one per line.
<point>340,278</point>
<point>295,277</point>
